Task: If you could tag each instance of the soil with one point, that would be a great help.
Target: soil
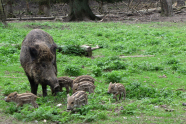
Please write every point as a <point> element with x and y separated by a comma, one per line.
<point>110,12</point>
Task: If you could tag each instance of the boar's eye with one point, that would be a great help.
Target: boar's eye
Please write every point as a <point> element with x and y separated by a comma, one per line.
<point>112,88</point>
<point>9,96</point>
<point>75,89</point>
<point>72,102</point>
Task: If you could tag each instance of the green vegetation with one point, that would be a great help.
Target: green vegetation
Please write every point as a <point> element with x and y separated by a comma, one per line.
<point>153,83</point>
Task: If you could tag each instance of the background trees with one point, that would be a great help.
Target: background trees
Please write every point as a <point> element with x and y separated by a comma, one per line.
<point>79,10</point>
<point>2,13</point>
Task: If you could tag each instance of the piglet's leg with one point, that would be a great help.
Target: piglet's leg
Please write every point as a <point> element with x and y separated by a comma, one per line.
<point>34,104</point>
<point>119,96</point>
<point>115,95</point>
<point>124,95</point>
<point>19,104</point>
<point>67,89</point>
<point>60,88</point>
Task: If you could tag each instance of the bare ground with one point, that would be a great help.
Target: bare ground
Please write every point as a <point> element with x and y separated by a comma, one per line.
<point>110,12</point>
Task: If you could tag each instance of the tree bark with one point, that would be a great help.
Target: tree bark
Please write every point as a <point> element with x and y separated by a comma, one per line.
<point>2,13</point>
<point>180,2</point>
<point>80,10</point>
<point>9,9</point>
<point>44,7</point>
<point>166,8</point>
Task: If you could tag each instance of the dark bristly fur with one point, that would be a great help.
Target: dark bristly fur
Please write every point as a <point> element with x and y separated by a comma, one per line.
<point>38,59</point>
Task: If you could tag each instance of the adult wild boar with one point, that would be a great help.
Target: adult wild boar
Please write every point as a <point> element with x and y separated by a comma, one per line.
<point>38,59</point>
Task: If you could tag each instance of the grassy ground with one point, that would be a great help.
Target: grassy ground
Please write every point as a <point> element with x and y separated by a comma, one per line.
<point>155,85</point>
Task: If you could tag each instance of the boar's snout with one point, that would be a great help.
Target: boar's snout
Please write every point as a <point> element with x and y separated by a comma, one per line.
<point>56,89</point>
<point>108,92</point>
<point>54,84</point>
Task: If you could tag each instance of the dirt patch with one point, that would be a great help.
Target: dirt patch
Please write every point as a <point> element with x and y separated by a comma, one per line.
<point>38,26</point>
<point>110,12</point>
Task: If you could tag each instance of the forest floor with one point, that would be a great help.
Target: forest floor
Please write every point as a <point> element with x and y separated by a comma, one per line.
<point>110,12</point>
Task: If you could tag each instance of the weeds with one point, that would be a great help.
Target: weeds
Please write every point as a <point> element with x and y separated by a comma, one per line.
<point>73,50</point>
<point>72,70</point>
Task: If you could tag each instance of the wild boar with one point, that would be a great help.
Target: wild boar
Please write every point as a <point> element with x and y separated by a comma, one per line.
<point>83,78</point>
<point>84,86</point>
<point>65,82</point>
<point>38,59</point>
<point>78,99</point>
<point>23,98</point>
<point>117,88</point>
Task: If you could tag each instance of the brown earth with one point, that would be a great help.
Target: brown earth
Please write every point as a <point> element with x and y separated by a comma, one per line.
<point>110,12</point>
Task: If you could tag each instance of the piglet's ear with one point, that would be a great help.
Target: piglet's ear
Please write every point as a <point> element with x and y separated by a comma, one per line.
<point>53,48</point>
<point>15,94</point>
<point>68,95</point>
<point>33,53</point>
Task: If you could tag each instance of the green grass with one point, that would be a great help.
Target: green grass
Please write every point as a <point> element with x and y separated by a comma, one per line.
<point>151,82</point>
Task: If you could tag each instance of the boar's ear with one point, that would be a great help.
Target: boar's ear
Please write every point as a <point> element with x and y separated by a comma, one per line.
<point>33,53</point>
<point>53,48</point>
<point>110,83</point>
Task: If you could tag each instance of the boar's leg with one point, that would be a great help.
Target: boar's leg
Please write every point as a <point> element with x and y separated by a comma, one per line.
<point>33,85</point>
<point>44,88</point>
<point>34,88</point>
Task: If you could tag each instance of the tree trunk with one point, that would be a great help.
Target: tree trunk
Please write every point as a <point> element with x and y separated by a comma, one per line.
<point>9,9</point>
<point>180,2</point>
<point>44,7</point>
<point>80,10</point>
<point>100,8</point>
<point>166,8</point>
<point>2,13</point>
